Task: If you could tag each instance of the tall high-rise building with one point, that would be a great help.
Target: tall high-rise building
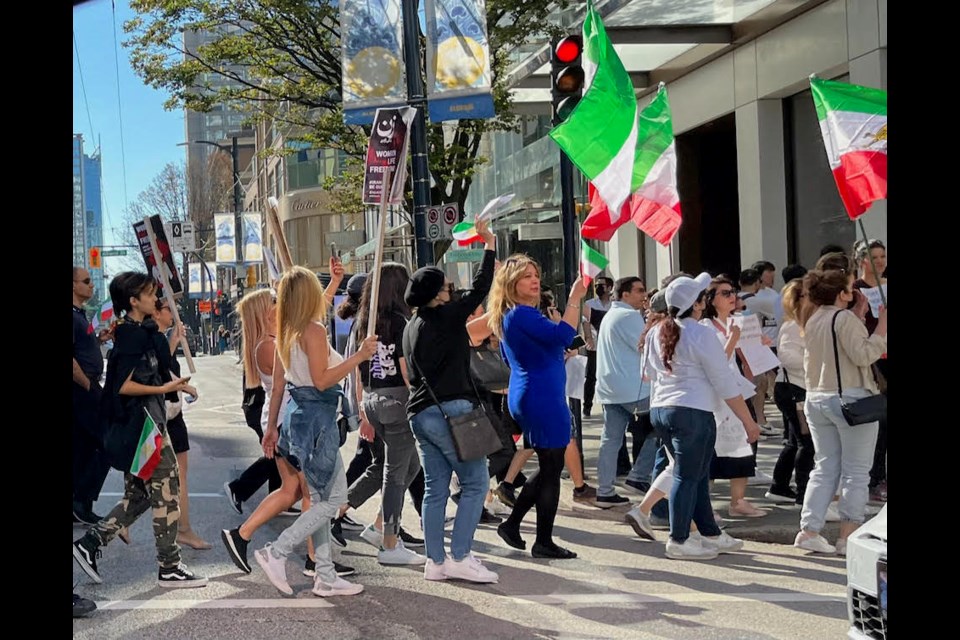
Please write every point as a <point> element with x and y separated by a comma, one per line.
<point>88,212</point>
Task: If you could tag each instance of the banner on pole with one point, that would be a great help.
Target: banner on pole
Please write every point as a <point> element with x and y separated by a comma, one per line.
<point>252,239</point>
<point>224,225</point>
<point>166,256</point>
<point>458,60</point>
<point>197,288</point>
<point>372,58</point>
<point>387,149</point>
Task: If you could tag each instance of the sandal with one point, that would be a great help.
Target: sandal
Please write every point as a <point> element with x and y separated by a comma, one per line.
<point>192,540</point>
<point>124,534</point>
<point>744,509</point>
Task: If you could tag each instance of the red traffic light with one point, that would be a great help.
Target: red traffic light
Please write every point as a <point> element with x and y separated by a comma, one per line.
<point>569,49</point>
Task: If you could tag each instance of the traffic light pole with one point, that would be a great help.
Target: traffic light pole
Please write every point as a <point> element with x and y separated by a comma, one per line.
<point>571,262</point>
<point>418,133</point>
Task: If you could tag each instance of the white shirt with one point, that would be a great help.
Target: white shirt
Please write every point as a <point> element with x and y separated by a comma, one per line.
<point>299,371</point>
<point>701,376</point>
<point>767,304</point>
<point>790,350</point>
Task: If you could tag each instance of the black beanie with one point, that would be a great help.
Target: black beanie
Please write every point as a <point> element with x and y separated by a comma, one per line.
<point>424,285</point>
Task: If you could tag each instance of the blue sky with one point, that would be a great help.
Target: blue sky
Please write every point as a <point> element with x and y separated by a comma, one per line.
<point>150,133</point>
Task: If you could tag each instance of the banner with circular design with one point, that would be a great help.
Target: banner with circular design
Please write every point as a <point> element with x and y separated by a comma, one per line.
<point>458,60</point>
<point>372,55</point>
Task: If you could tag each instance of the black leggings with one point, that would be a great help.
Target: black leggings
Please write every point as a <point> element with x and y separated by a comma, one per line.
<point>542,488</point>
<point>797,455</point>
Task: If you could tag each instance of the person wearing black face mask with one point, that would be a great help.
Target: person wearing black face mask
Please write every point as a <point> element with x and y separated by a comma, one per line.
<point>593,312</point>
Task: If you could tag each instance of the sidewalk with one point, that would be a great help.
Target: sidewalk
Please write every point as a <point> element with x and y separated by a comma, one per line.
<point>780,525</point>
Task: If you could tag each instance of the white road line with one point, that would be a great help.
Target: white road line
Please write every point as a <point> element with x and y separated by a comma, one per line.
<point>686,597</point>
<point>276,603</point>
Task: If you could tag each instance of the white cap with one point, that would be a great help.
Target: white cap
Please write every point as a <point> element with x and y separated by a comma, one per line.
<point>683,292</point>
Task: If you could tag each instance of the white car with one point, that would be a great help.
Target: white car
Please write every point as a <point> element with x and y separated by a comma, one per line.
<point>867,579</point>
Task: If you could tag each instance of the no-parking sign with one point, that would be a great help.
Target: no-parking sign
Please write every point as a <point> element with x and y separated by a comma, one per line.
<point>440,221</point>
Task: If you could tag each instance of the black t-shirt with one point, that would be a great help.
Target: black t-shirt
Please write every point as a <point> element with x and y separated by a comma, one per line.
<point>437,346</point>
<point>383,369</point>
<point>86,346</point>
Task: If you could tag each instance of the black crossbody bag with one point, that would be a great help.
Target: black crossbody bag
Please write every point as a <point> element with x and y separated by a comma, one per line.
<point>473,433</point>
<point>864,410</point>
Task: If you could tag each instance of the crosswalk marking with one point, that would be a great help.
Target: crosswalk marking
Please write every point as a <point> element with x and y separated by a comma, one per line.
<point>686,597</point>
<point>312,602</point>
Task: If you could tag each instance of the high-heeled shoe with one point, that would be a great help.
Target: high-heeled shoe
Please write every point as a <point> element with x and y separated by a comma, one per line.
<point>554,552</point>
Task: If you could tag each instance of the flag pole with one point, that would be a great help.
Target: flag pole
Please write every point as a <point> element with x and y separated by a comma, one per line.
<point>378,256</point>
<point>168,293</point>
<point>276,230</point>
<point>873,267</point>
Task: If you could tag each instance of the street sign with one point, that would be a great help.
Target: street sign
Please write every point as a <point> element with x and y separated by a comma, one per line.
<point>463,255</point>
<point>109,253</point>
<point>440,220</point>
<point>182,238</point>
<point>205,306</point>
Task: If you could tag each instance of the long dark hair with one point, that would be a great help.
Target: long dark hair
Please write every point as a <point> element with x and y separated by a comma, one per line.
<point>669,331</point>
<point>349,307</point>
<point>129,284</point>
<point>393,283</point>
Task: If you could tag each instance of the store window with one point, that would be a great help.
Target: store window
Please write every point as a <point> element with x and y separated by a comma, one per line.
<point>815,212</point>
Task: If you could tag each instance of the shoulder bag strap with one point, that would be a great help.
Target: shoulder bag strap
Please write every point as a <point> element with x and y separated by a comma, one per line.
<point>836,352</point>
<point>413,365</point>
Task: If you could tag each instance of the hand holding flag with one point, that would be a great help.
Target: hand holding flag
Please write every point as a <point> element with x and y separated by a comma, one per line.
<point>466,233</point>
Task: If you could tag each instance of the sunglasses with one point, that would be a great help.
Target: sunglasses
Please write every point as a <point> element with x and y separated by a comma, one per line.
<point>726,293</point>
<point>84,281</point>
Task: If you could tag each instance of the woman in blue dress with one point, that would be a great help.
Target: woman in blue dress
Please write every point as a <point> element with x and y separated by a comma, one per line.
<point>534,347</point>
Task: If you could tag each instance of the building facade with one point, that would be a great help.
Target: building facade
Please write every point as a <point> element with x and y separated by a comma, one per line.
<point>88,213</point>
<point>752,171</point>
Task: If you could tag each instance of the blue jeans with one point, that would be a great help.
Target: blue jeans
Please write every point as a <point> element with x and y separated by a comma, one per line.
<point>439,459</point>
<point>616,417</point>
<point>690,435</point>
<point>843,456</point>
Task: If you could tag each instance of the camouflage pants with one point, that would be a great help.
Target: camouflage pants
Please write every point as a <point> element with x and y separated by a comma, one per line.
<point>162,493</point>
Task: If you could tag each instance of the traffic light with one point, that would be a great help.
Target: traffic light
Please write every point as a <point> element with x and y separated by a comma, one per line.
<point>95,258</point>
<point>566,76</point>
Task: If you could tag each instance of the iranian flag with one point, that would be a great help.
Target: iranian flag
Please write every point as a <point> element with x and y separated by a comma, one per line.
<point>853,120</point>
<point>629,157</point>
<point>465,233</point>
<point>592,262</point>
<point>654,205</point>
<point>147,456</point>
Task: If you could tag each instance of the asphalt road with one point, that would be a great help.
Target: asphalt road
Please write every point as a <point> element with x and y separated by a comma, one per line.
<point>619,587</point>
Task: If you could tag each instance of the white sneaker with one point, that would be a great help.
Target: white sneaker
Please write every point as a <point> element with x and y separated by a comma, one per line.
<point>470,568</point>
<point>760,478</point>
<point>371,535</point>
<point>340,587</point>
<point>768,430</point>
<point>841,547</point>
<point>691,549</point>
<point>816,543</point>
<point>640,523</point>
<point>275,568</point>
<point>400,555</point>
<point>723,543</point>
<point>434,571</point>
<point>497,508</point>
<point>833,514</point>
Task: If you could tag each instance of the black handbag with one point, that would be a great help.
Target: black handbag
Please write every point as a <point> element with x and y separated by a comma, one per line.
<point>864,410</point>
<point>473,433</point>
<point>488,369</point>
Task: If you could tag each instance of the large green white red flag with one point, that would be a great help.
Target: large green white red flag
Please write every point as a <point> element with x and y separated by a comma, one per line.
<point>853,120</point>
<point>591,262</point>
<point>629,157</point>
<point>147,456</point>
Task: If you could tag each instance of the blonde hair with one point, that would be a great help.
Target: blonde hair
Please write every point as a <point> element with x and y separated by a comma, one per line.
<point>792,297</point>
<point>300,301</point>
<point>503,294</point>
<point>253,309</point>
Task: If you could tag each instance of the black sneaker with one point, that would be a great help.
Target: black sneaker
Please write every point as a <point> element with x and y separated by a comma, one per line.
<point>336,532</point>
<point>82,606</point>
<point>348,523</point>
<point>640,487</point>
<point>506,493</point>
<point>310,569</point>
<point>86,553</point>
<point>410,540</point>
<point>456,498</point>
<point>605,502</point>
<point>781,496</point>
<point>179,577</point>
<point>584,493</point>
<point>488,518</point>
<point>232,498</point>
<point>85,516</point>
<point>236,548</point>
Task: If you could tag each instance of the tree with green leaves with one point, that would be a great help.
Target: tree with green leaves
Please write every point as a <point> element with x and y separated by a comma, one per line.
<point>282,63</point>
